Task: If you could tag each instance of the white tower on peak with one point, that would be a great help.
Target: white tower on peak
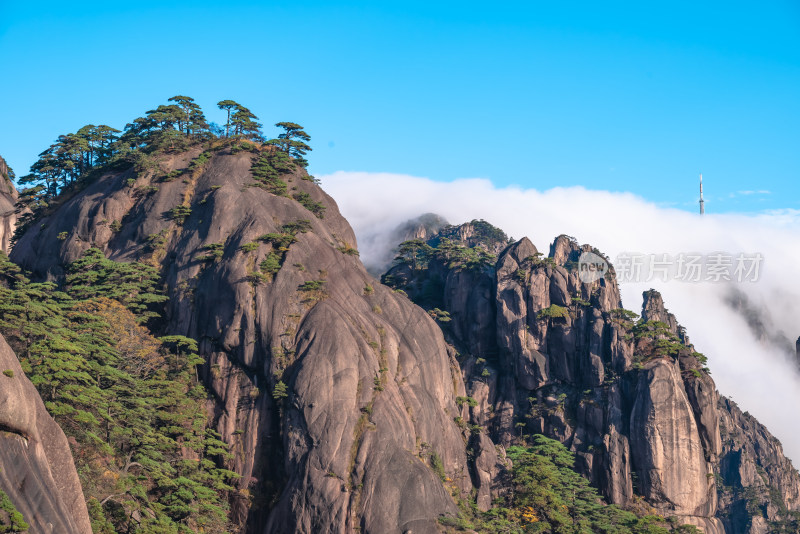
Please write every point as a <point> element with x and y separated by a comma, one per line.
<point>702,202</point>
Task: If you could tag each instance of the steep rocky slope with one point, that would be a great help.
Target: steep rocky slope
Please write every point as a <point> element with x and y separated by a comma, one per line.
<point>544,352</point>
<point>370,386</point>
<point>8,197</point>
<point>348,408</point>
<point>36,468</point>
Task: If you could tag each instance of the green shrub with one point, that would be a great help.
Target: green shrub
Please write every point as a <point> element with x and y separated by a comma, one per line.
<point>437,465</point>
<point>172,175</point>
<point>271,264</point>
<point>248,247</point>
<point>9,373</point>
<point>157,241</point>
<point>16,523</point>
<point>300,226</point>
<point>180,213</point>
<point>216,250</point>
<point>625,315</point>
<point>469,401</point>
<point>377,383</point>
<point>440,315</point>
<point>257,278</point>
<point>268,168</point>
<point>280,240</point>
<point>310,204</point>
<point>94,325</point>
<point>312,285</point>
<point>348,250</point>
<point>280,391</point>
<point>553,311</point>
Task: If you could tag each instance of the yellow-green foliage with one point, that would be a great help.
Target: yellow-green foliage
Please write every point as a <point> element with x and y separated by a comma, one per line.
<point>553,311</point>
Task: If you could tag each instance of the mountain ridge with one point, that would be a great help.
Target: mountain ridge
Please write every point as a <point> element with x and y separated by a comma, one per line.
<point>348,408</point>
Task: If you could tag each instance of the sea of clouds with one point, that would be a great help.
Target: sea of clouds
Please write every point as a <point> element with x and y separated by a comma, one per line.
<point>753,365</point>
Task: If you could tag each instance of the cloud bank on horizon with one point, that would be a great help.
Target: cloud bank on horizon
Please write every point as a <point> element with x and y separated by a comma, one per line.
<point>749,349</point>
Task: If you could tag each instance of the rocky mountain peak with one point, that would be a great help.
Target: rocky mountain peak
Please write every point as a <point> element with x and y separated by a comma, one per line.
<point>350,405</point>
<point>476,233</point>
<point>334,392</point>
<point>565,248</point>
<point>544,352</point>
<point>423,227</point>
<point>653,309</point>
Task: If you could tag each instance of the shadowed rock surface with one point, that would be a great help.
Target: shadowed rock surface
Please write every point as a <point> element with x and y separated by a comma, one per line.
<point>37,473</point>
<point>543,352</point>
<point>758,483</point>
<point>370,385</point>
<point>8,199</point>
<point>338,395</point>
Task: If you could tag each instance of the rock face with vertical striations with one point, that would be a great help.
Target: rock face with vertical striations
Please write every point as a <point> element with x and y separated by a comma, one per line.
<point>8,214</point>
<point>36,468</point>
<point>633,400</point>
<point>666,443</point>
<point>339,396</point>
<point>370,385</point>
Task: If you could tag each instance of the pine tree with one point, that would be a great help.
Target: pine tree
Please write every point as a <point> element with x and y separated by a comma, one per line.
<point>228,106</point>
<point>192,121</point>
<point>132,402</point>
<point>244,124</point>
<point>293,141</point>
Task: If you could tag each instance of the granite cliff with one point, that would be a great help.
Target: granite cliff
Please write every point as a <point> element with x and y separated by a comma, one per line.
<point>544,352</point>
<point>369,382</point>
<point>350,405</point>
<point>38,474</point>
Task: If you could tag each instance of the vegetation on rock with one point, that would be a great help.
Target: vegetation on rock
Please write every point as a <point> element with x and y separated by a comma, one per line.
<point>548,496</point>
<point>10,518</point>
<point>77,159</point>
<point>147,459</point>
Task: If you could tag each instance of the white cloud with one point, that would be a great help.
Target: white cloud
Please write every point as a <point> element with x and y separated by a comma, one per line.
<point>758,376</point>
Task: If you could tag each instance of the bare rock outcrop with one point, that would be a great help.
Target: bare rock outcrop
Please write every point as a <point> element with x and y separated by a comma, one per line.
<point>338,396</point>
<point>36,467</point>
<point>666,443</point>
<point>370,387</point>
<point>759,485</point>
<point>632,400</point>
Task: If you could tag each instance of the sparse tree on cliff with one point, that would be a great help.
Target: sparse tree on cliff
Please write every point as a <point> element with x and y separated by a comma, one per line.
<point>227,105</point>
<point>293,141</point>
<point>244,123</point>
<point>192,121</point>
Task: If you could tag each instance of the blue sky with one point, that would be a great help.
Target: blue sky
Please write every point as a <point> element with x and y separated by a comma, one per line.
<point>621,96</point>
